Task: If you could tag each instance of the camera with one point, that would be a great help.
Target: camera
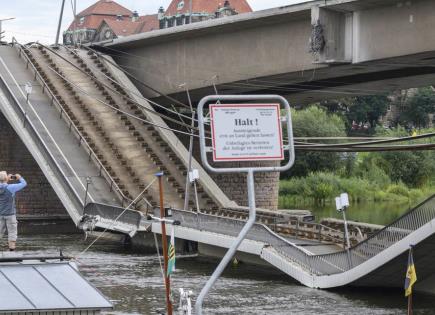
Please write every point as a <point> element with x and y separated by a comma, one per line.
<point>13,177</point>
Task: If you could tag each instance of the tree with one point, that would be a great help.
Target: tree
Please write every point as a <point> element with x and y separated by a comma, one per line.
<point>363,109</point>
<point>418,108</point>
<point>316,122</point>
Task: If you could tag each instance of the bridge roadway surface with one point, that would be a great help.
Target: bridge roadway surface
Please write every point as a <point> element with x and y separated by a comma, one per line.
<point>370,47</point>
<point>378,261</point>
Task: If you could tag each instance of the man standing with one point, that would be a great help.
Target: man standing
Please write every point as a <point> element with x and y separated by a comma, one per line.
<point>8,218</point>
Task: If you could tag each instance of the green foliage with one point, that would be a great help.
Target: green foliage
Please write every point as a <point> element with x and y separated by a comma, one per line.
<point>367,109</point>
<point>418,108</point>
<point>316,122</point>
<point>322,187</point>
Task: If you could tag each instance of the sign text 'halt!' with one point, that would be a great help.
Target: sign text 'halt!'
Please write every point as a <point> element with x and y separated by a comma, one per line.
<point>246,132</point>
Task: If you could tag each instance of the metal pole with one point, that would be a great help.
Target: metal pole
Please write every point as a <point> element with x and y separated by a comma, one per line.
<point>346,232</point>
<point>188,184</point>
<point>346,235</point>
<point>60,23</point>
<point>233,249</point>
<point>410,312</point>
<point>88,181</point>
<point>190,11</point>
<point>165,247</point>
<point>196,197</point>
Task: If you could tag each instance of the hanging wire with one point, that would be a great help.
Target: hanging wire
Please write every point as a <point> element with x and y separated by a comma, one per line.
<point>121,111</point>
<point>113,90</point>
<point>337,89</point>
<point>137,80</point>
<point>299,145</point>
<point>160,258</point>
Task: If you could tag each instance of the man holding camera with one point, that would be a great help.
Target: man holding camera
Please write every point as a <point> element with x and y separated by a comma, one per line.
<point>8,217</point>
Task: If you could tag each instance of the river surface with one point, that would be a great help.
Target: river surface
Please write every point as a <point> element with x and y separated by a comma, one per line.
<point>134,284</point>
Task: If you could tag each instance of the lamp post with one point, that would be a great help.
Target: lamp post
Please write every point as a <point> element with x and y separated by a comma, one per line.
<point>342,203</point>
<point>1,21</point>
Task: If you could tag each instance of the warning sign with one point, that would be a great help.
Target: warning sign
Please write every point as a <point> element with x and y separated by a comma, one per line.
<point>246,132</point>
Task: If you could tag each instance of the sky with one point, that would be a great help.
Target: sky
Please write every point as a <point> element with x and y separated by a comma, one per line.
<point>37,20</point>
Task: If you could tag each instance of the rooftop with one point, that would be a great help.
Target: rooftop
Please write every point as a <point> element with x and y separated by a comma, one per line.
<point>47,287</point>
<point>209,6</point>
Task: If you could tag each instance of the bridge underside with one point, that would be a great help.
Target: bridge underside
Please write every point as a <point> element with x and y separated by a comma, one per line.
<point>369,48</point>
<point>335,81</point>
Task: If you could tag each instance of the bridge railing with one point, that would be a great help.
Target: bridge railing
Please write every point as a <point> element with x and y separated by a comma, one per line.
<point>48,157</point>
<point>317,264</point>
<point>389,235</point>
<point>259,232</point>
<point>81,140</point>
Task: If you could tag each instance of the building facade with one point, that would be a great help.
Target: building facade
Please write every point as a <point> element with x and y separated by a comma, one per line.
<point>107,20</point>
<point>181,12</point>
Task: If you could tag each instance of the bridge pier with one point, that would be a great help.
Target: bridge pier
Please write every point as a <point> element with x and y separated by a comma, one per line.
<point>39,210</point>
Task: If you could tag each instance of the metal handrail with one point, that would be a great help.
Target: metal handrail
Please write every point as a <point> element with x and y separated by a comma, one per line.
<point>28,122</point>
<point>381,240</point>
<point>63,113</point>
<point>318,264</point>
<point>123,197</point>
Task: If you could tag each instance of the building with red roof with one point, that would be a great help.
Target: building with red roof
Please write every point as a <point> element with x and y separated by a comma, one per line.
<point>106,19</point>
<point>86,23</point>
<point>179,11</point>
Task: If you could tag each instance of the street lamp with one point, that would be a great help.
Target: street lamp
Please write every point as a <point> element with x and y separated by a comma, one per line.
<point>342,203</point>
<point>1,21</point>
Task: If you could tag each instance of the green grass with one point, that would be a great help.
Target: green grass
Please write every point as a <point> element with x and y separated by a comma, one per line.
<point>323,187</point>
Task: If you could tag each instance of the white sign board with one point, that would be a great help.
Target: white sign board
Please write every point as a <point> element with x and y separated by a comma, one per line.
<point>246,132</point>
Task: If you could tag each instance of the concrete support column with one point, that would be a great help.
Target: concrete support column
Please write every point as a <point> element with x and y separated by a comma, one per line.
<point>38,198</point>
<point>333,33</point>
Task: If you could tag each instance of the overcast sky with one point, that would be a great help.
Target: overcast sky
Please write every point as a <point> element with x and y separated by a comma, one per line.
<point>37,19</point>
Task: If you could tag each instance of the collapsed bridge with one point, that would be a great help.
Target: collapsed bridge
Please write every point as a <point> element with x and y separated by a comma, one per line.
<point>99,143</point>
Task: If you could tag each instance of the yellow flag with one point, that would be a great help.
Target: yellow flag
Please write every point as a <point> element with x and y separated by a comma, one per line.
<point>411,275</point>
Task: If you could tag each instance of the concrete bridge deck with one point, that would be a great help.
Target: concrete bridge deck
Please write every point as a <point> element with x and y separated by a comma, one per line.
<point>378,261</point>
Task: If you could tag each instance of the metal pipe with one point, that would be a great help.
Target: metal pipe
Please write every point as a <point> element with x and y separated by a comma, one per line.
<point>189,169</point>
<point>233,249</point>
<point>190,11</point>
<point>165,246</point>
<point>60,23</point>
<point>346,235</point>
<point>88,181</point>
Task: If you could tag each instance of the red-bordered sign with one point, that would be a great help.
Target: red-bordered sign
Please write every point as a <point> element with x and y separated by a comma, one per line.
<point>246,132</point>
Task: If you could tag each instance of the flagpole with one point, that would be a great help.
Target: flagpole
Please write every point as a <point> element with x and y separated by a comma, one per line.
<point>165,246</point>
<point>410,304</point>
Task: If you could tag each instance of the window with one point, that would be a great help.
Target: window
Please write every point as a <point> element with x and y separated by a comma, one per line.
<point>82,20</point>
<point>180,5</point>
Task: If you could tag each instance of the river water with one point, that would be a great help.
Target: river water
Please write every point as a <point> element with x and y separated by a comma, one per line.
<point>134,284</point>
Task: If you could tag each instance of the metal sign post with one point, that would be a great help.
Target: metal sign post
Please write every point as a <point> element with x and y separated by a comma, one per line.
<point>244,132</point>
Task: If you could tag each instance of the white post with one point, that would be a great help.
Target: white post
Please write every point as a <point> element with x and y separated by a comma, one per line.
<point>233,249</point>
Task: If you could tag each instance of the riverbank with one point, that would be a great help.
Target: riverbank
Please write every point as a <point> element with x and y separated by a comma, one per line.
<point>321,189</point>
